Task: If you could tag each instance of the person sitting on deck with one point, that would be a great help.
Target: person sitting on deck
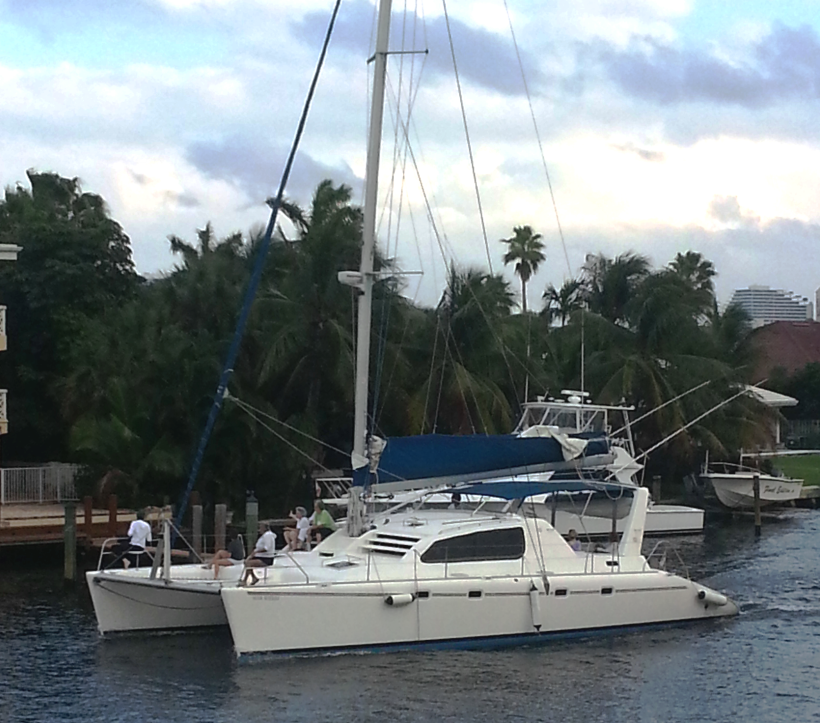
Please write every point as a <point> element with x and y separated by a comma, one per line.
<point>573,541</point>
<point>232,555</point>
<point>322,524</point>
<point>262,555</point>
<point>297,537</point>
<point>139,535</point>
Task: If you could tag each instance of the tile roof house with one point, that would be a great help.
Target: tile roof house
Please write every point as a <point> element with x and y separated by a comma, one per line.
<point>787,344</point>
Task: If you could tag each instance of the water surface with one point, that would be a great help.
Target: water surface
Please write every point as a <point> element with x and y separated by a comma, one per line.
<point>762,666</point>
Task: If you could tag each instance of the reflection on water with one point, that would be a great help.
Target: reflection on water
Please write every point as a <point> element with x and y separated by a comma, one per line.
<point>762,665</point>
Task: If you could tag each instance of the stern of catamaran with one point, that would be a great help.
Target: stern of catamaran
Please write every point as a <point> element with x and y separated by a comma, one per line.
<point>632,538</point>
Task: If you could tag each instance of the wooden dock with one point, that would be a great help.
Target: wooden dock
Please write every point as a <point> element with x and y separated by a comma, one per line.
<point>36,524</point>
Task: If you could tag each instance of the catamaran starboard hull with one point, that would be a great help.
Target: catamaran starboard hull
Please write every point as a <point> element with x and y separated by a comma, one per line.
<point>328,618</point>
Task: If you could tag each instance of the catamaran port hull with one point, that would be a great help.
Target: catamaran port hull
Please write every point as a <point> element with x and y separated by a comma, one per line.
<point>127,603</point>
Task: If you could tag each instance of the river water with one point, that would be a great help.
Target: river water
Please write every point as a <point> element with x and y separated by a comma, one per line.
<point>762,666</point>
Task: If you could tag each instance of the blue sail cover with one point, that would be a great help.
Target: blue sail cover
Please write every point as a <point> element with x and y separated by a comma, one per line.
<point>444,459</point>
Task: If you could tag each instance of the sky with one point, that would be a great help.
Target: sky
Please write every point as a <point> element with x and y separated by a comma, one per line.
<point>662,126</point>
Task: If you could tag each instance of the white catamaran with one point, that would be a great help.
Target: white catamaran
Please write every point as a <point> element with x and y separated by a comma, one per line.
<point>415,575</point>
<point>431,577</point>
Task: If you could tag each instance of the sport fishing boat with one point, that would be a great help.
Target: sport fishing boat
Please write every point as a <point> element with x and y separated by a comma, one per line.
<point>439,577</point>
<point>574,414</point>
<point>594,449</point>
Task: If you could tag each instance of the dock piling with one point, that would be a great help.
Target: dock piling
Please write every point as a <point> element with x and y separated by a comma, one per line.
<point>112,515</point>
<point>70,539</point>
<point>656,488</point>
<point>196,511</point>
<point>88,521</point>
<point>756,492</point>
<point>220,525</point>
<point>251,521</point>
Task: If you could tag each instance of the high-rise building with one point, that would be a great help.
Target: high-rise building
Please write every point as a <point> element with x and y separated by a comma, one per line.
<point>765,305</point>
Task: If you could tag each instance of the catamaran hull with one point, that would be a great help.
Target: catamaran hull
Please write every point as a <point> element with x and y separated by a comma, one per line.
<point>126,604</point>
<point>317,618</point>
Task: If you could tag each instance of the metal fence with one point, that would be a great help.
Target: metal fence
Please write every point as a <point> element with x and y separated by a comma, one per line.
<point>32,485</point>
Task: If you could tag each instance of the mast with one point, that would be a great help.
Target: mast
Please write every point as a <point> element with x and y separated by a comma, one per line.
<point>364,280</point>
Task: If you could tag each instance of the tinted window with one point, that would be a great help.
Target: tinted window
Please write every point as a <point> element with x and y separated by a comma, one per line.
<point>492,545</point>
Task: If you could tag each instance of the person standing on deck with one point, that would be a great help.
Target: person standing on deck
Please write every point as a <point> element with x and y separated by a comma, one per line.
<point>139,535</point>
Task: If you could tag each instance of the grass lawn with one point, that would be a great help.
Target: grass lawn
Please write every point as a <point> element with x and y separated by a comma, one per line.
<point>806,467</point>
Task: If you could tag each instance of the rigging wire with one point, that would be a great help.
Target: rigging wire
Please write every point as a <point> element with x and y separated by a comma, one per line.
<point>253,283</point>
<point>467,136</point>
<point>538,137</point>
<point>255,413</point>
<point>443,245</point>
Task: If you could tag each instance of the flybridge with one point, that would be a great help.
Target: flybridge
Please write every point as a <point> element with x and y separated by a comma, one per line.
<point>573,414</point>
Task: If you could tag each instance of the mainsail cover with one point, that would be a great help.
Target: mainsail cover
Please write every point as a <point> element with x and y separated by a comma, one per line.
<point>406,463</point>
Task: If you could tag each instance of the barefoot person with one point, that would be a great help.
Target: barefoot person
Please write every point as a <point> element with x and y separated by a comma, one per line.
<point>296,537</point>
<point>262,555</point>
<point>234,554</point>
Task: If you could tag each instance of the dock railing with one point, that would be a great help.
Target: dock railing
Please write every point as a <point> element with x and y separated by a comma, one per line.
<point>38,485</point>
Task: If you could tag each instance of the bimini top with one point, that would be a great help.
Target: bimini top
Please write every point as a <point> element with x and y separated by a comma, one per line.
<point>431,460</point>
<point>521,489</point>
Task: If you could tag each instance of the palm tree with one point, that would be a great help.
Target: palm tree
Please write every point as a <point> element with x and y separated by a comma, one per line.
<point>302,345</point>
<point>525,249</point>
<point>459,390</point>
<point>697,273</point>
<point>563,302</point>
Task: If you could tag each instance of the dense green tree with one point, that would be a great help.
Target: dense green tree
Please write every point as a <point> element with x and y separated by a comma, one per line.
<point>129,368</point>
<point>75,263</point>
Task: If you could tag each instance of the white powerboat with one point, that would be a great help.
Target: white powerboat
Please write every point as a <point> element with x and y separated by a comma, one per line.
<point>733,486</point>
<point>460,578</point>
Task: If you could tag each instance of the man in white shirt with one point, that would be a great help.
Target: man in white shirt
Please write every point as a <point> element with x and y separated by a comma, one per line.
<point>139,535</point>
<point>262,555</point>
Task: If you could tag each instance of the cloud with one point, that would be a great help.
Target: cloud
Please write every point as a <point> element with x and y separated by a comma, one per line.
<point>726,210</point>
<point>255,166</point>
<point>483,57</point>
<point>643,153</point>
<point>783,65</point>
